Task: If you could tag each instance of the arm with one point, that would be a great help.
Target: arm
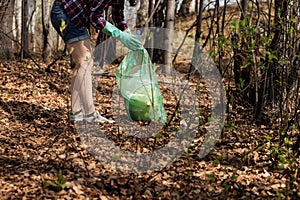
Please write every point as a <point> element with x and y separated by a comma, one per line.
<point>118,14</point>
<point>96,13</point>
<point>97,20</point>
<point>99,6</point>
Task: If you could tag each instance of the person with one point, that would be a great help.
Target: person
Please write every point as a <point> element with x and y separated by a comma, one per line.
<point>71,19</point>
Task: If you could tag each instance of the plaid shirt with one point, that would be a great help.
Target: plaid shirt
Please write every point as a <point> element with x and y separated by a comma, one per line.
<point>83,12</point>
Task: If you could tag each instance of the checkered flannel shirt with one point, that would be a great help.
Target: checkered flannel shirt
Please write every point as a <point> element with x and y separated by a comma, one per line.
<point>83,12</point>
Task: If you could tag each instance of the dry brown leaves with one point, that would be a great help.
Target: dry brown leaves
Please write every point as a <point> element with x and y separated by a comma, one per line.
<point>37,143</point>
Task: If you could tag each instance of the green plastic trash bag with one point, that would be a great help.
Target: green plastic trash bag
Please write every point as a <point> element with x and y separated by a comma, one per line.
<point>139,87</point>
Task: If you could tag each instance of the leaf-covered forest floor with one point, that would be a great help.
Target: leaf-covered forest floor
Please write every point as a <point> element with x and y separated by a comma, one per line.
<point>39,146</point>
<point>42,155</point>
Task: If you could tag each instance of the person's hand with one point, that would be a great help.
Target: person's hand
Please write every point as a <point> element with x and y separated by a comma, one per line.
<point>129,40</point>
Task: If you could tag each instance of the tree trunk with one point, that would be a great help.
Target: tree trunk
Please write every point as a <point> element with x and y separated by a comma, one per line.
<point>17,26</point>
<point>6,35</point>
<point>159,19</point>
<point>244,4</point>
<point>197,47</point>
<point>24,31</point>
<point>170,18</point>
<point>32,16</point>
<point>149,40</point>
<point>45,23</point>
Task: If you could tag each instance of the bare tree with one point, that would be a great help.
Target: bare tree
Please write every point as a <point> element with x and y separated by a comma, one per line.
<point>46,52</point>
<point>6,34</point>
<point>24,30</point>
<point>170,18</point>
<point>32,25</point>
<point>197,47</point>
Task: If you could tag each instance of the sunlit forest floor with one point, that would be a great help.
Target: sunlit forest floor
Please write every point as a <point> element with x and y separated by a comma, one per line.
<point>38,143</point>
<point>43,157</point>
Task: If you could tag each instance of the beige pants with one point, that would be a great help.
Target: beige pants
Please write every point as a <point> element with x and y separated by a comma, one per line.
<point>81,83</point>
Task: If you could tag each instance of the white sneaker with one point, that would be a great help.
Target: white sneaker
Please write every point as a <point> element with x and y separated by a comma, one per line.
<point>96,117</point>
<point>77,117</point>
